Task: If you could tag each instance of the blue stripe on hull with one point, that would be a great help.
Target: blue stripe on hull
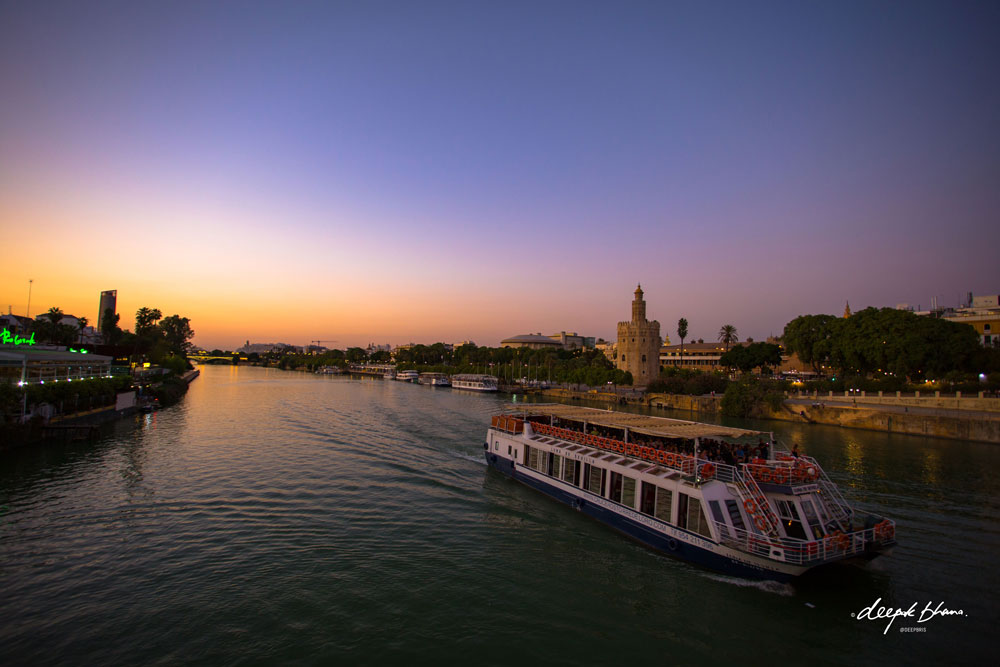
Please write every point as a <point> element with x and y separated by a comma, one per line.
<point>638,531</point>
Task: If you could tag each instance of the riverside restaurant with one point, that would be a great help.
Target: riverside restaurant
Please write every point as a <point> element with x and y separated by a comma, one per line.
<point>24,366</point>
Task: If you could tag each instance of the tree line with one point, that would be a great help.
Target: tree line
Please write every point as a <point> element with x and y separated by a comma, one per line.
<point>878,342</point>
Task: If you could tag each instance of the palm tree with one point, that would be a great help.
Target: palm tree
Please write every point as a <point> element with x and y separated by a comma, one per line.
<point>55,315</point>
<point>682,332</point>
<point>82,322</point>
<point>728,335</point>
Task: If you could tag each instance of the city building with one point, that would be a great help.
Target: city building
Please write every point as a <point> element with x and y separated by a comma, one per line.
<point>574,341</point>
<point>982,313</point>
<point>698,356</point>
<point>109,301</point>
<point>264,348</point>
<point>638,348</point>
<point>534,341</point>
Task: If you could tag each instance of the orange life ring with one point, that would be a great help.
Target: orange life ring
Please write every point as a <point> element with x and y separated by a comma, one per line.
<point>760,523</point>
<point>750,505</point>
<point>781,476</point>
<point>708,470</point>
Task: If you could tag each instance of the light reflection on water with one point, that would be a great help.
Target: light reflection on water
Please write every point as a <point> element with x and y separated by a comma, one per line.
<point>281,517</point>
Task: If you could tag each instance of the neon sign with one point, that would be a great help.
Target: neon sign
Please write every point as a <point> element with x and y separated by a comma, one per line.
<point>7,337</point>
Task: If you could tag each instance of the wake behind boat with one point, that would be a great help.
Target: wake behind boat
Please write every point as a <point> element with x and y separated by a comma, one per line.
<point>704,493</point>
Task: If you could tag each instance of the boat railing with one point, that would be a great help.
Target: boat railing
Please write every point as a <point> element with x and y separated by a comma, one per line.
<point>835,546</point>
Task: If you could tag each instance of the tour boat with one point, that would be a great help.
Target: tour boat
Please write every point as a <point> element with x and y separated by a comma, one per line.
<point>434,379</point>
<point>774,516</point>
<point>407,376</point>
<point>474,382</point>
<point>390,374</point>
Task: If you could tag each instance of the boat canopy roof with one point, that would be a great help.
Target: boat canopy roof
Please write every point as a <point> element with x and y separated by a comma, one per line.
<point>645,424</point>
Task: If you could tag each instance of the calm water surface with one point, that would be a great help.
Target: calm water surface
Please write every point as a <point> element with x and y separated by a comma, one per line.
<point>277,517</point>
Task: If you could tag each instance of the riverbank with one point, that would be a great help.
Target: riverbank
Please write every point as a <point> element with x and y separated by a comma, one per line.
<point>86,424</point>
<point>932,418</point>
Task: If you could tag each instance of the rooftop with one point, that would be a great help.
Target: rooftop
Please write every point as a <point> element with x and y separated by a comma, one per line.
<point>645,424</point>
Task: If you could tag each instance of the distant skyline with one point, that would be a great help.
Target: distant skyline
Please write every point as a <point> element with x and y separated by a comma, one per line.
<point>398,171</point>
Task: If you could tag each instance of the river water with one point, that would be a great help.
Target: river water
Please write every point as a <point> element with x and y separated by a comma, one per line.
<point>277,517</point>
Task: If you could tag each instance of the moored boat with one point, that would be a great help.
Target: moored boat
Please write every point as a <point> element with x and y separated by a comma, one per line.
<point>407,376</point>
<point>474,382</point>
<point>704,493</point>
<point>435,379</point>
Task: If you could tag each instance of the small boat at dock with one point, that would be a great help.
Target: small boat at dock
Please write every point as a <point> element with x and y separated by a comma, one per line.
<point>435,379</point>
<point>474,382</point>
<point>407,376</point>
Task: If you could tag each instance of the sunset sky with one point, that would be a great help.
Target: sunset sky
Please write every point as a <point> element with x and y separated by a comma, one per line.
<point>424,171</point>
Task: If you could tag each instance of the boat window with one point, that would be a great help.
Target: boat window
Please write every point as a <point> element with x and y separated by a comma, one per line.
<point>647,502</point>
<point>811,518</point>
<point>509,451</point>
<point>569,471</point>
<point>532,458</point>
<point>628,491</point>
<point>594,480</point>
<point>734,514</point>
<point>496,446</point>
<point>616,487</point>
<point>682,510</point>
<point>554,465</point>
<point>664,499</point>
<point>790,519</point>
<point>696,519</point>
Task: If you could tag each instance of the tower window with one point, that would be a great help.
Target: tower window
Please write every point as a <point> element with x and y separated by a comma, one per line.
<point>644,359</point>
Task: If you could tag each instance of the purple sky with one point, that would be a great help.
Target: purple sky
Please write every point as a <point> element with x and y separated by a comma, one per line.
<point>443,171</point>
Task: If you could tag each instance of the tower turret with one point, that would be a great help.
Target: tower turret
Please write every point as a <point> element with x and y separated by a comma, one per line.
<point>638,306</point>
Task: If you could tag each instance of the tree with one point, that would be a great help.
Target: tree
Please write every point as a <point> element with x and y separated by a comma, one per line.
<point>728,335</point>
<point>177,334</point>
<point>755,355</point>
<point>146,319</point>
<point>812,338</point>
<point>356,354</point>
<point>54,315</point>
<point>682,332</point>
<point>109,327</point>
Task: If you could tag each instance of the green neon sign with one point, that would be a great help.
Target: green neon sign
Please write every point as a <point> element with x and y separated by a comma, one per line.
<point>7,337</point>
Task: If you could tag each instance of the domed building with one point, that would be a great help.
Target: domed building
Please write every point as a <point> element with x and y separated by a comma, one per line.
<point>638,350</point>
<point>532,341</point>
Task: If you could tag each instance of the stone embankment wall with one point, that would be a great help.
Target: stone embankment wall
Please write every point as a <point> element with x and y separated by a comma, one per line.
<point>957,401</point>
<point>979,427</point>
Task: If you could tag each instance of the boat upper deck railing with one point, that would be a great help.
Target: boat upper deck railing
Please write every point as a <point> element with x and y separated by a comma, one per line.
<point>836,546</point>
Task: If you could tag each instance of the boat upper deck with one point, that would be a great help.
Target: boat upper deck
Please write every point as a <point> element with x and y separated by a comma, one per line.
<point>645,424</point>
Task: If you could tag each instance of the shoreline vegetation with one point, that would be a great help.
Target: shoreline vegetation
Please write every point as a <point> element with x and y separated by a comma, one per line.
<point>150,369</point>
